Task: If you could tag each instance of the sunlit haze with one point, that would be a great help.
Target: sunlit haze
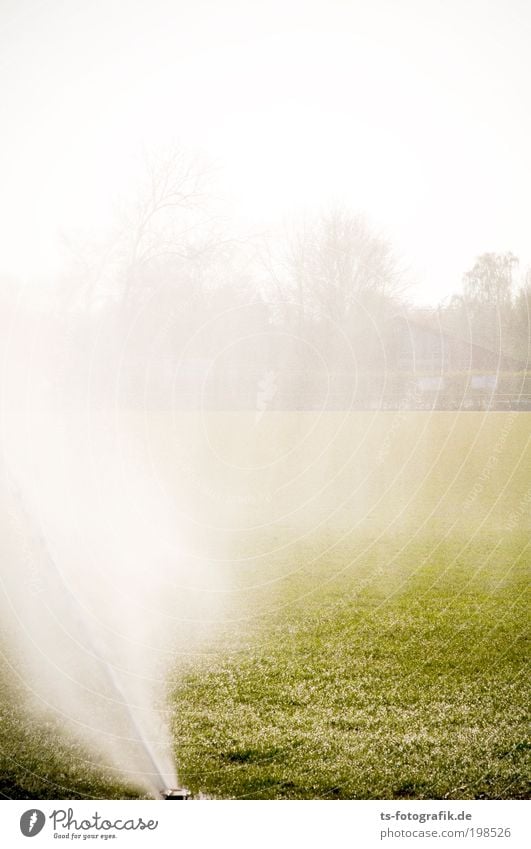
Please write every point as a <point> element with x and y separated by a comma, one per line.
<point>415,113</point>
<point>265,396</point>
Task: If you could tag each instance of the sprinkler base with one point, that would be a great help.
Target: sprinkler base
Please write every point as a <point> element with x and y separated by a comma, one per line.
<point>176,794</point>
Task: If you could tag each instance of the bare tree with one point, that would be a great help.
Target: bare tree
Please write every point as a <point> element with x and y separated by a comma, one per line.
<point>488,299</point>
<point>335,261</point>
<point>168,216</point>
<point>521,321</point>
<point>490,281</point>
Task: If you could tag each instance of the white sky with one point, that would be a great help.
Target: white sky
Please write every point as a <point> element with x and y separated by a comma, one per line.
<point>416,112</point>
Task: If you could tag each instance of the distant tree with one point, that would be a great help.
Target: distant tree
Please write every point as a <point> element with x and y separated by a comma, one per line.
<point>151,262</point>
<point>168,218</point>
<point>521,322</point>
<point>166,223</point>
<point>487,301</point>
<point>338,281</point>
<point>336,261</point>
<point>490,280</point>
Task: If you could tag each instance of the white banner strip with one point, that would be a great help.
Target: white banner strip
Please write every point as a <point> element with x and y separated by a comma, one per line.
<point>257,824</point>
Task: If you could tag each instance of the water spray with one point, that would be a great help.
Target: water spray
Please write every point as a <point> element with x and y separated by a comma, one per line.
<point>98,652</point>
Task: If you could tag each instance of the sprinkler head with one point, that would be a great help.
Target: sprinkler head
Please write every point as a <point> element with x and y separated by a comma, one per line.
<point>176,794</point>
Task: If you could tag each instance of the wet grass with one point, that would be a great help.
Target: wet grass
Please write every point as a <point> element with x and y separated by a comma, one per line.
<point>408,685</point>
<point>39,761</point>
<point>381,652</point>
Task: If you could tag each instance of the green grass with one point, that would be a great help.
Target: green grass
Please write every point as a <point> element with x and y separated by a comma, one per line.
<point>374,639</point>
<point>39,761</point>
<point>410,685</point>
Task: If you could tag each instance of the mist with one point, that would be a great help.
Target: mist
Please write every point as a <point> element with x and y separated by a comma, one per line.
<point>245,296</point>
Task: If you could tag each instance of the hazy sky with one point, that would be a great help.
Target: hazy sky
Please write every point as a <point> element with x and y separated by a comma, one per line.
<point>414,111</point>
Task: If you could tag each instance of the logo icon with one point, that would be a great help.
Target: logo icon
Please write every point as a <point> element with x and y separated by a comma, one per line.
<point>31,822</point>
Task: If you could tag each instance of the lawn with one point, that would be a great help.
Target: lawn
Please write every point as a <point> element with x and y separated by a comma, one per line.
<point>372,642</point>
<point>409,683</point>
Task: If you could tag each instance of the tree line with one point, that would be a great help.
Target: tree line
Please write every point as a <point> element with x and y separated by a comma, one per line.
<point>170,283</point>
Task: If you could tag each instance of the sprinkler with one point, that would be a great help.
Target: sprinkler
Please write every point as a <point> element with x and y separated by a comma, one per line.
<point>176,793</point>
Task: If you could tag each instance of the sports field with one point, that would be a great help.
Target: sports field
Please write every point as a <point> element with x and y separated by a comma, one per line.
<point>371,619</point>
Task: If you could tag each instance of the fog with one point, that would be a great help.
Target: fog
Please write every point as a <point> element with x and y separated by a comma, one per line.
<point>414,112</point>
<point>99,596</point>
<point>210,316</point>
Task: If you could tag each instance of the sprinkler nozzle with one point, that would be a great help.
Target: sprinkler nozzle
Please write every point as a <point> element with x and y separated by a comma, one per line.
<point>176,794</point>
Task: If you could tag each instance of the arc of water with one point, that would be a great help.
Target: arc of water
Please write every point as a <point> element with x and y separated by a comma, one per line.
<point>96,647</point>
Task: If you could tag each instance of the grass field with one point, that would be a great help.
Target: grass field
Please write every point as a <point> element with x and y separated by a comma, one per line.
<point>373,642</point>
<point>402,686</point>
